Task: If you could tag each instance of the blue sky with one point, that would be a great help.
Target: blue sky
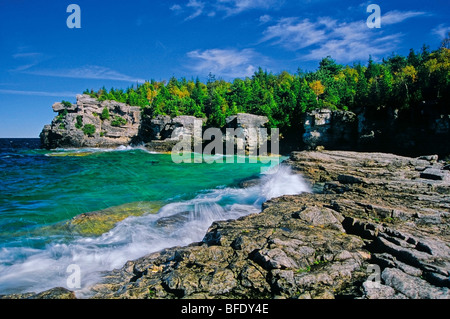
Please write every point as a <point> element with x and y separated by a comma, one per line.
<point>121,43</point>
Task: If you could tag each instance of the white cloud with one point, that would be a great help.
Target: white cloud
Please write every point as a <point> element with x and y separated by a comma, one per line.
<point>393,17</point>
<point>228,7</point>
<point>265,19</point>
<point>198,8</point>
<point>344,41</point>
<point>441,31</point>
<point>28,60</point>
<point>88,72</point>
<point>175,7</point>
<point>232,7</point>
<point>294,34</point>
<point>229,63</point>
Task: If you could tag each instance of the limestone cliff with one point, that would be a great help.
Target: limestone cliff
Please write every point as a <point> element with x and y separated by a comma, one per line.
<point>412,133</point>
<point>91,123</point>
<point>94,123</point>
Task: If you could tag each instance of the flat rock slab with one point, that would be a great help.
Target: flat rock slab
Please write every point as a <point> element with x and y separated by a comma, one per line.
<point>435,174</point>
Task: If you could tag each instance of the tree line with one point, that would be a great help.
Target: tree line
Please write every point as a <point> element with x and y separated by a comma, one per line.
<point>398,82</point>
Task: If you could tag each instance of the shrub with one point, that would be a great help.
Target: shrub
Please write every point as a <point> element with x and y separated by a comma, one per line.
<point>79,123</point>
<point>118,121</point>
<point>66,103</point>
<point>105,114</point>
<point>89,130</point>
<point>61,116</point>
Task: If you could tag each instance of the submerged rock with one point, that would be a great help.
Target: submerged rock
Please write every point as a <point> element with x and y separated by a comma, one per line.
<point>99,222</point>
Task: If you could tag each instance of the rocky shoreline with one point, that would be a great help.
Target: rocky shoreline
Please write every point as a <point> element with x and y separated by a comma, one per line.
<point>375,227</point>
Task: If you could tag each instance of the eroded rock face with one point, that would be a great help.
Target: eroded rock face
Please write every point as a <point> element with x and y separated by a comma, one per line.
<point>246,127</point>
<point>330,129</point>
<point>68,129</point>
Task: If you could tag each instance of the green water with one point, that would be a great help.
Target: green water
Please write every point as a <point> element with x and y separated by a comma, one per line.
<point>41,187</point>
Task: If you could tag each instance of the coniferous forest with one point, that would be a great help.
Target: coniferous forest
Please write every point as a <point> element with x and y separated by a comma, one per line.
<point>397,82</point>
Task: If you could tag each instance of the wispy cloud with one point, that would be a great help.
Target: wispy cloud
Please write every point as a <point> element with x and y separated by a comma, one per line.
<point>38,93</point>
<point>229,63</point>
<point>393,17</point>
<point>232,7</point>
<point>27,60</point>
<point>265,19</point>
<point>88,72</point>
<point>441,31</point>
<point>344,41</point>
<point>294,34</point>
<point>196,8</point>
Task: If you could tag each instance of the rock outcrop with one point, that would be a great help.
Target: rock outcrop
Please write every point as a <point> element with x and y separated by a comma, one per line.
<point>424,129</point>
<point>246,126</point>
<point>330,129</point>
<point>91,123</point>
<point>94,123</point>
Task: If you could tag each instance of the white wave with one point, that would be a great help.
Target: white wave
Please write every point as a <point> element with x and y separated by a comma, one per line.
<point>120,148</point>
<point>178,223</point>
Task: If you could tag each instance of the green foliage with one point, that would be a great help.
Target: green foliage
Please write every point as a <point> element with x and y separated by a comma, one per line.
<point>61,116</point>
<point>118,121</point>
<point>396,82</point>
<point>105,114</point>
<point>79,123</point>
<point>89,130</point>
<point>66,103</point>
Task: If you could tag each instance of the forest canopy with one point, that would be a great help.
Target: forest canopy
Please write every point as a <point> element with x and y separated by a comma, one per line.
<point>400,82</point>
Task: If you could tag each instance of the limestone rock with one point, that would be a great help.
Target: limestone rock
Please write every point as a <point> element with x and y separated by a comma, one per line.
<point>246,127</point>
<point>66,130</point>
<point>54,293</point>
<point>330,129</point>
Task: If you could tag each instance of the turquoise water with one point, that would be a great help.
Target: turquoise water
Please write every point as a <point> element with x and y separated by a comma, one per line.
<point>40,189</point>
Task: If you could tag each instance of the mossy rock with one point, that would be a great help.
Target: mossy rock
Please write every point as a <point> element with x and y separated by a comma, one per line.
<point>75,154</point>
<point>99,222</point>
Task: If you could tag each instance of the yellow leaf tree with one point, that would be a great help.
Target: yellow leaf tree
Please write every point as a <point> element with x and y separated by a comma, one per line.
<point>318,88</point>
